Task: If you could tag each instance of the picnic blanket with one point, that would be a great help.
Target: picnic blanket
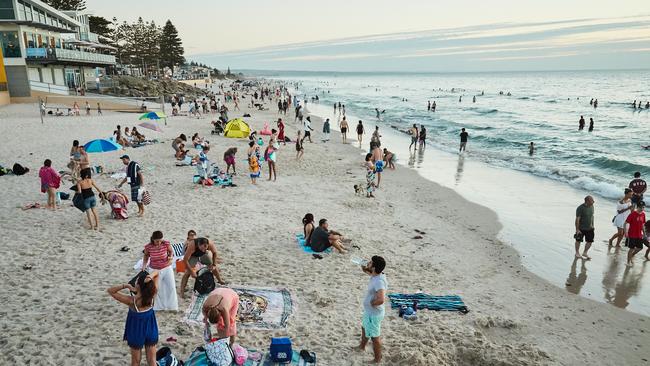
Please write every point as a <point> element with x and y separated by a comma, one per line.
<point>430,302</point>
<point>300,238</point>
<point>258,308</point>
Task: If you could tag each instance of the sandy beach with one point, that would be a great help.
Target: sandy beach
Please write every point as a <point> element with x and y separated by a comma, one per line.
<point>58,312</point>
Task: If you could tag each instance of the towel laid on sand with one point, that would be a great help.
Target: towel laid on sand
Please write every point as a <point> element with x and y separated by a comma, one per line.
<point>296,360</point>
<point>258,308</point>
<point>430,302</point>
<point>300,238</point>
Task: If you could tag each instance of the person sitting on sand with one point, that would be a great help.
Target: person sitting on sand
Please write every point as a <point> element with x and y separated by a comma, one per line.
<point>308,226</point>
<point>321,239</point>
<point>181,153</point>
<point>373,306</point>
<point>119,204</point>
<point>50,182</point>
<point>389,159</point>
<point>202,164</point>
<point>199,250</point>
<point>177,142</point>
<point>85,188</point>
<point>229,159</point>
<point>159,256</point>
<point>220,309</point>
<point>199,142</point>
<point>141,328</point>
<point>58,113</point>
<point>137,136</point>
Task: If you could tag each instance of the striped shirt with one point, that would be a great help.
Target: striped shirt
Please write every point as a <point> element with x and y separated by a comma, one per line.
<point>158,256</point>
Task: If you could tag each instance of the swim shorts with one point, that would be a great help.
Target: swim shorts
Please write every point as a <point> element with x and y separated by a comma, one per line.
<point>636,198</point>
<point>372,325</point>
<point>134,193</point>
<point>588,236</point>
<point>344,129</point>
<point>379,166</point>
<point>635,243</point>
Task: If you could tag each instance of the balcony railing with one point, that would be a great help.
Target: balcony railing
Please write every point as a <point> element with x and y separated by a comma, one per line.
<point>61,54</point>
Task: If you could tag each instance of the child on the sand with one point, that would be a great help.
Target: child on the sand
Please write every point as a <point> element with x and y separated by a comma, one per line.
<point>373,306</point>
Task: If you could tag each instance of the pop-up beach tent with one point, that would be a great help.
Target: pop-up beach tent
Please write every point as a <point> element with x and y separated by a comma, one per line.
<point>237,129</point>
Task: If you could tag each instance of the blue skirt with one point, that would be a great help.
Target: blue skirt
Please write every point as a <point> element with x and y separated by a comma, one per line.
<point>141,329</point>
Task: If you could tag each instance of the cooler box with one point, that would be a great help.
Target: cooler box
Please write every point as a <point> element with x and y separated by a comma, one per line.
<point>180,266</point>
<point>280,350</point>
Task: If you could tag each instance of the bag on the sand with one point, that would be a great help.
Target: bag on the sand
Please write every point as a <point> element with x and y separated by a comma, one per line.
<point>165,357</point>
<point>219,352</point>
<point>3,170</point>
<point>19,169</point>
<point>204,283</point>
<point>145,196</point>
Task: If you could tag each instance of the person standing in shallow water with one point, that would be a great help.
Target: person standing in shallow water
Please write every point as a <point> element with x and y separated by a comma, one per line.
<point>584,227</point>
<point>463,140</point>
<point>414,132</point>
<point>591,124</point>
<point>531,149</point>
<point>581,123</point>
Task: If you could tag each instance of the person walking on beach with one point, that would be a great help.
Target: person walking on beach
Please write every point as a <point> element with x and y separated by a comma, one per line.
<point>99,109</point>
<point>422,137</point>
<point>85,188</point>
<point>581,123</point>
<point>584,227</point>
<point>623,209</point>
<point>413,131</point>
<point>300,149</point>
<point>141,328</point>
<point>635,231</point>
<point>270,157</point>
<point>591,124</point>
<point>158,256</point>
<point>50,182</point>
<point>373,306</point>
<point>229,159</point>
<point>360,132</point>
<point>463,140</point>
<point>326,130</point>
<point>308,129</point>
<point>135,179</point>
<point>343,125</point>
<point>378,160</point>
<point>638,187</point>
<point>87,108</point>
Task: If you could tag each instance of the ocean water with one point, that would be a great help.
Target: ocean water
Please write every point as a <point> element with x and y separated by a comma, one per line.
<point>544,108</point>
<point>534,196</point>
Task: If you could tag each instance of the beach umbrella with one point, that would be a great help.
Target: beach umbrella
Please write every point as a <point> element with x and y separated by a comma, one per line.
<point>153,115</point>
<point>101,145</point>
<point>151,126</point>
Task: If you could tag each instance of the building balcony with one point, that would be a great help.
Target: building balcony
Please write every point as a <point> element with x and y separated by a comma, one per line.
<point>64,56</point>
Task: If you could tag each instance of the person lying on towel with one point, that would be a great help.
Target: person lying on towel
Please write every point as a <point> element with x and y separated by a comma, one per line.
<point>199,250</point>
<point>321,238</point>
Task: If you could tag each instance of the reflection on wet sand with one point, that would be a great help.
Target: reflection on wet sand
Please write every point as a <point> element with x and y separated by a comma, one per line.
<point>574,283</point>
<point>619,292</point>
<point>420,156</point>
<point>411,159</point>
<point>460,167</point>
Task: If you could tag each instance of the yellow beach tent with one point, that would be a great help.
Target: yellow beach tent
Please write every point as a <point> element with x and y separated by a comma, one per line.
<point>237,128</point>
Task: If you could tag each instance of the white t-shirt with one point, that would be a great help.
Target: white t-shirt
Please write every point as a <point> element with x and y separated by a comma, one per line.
<point>375,284</point>
<point>307,126</point>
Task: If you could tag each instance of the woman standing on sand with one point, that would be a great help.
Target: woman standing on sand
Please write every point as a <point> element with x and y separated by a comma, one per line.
<point>370,176</point>
<point>75,159</point>
<point>50,182</point>
<point>623,209</point>
<point>158,256</point>
<point>141,328</point>
<point>229,159</point>
<point>85,188</point>
<point>300,149</point>
<point>281,131</point>
<point>270,157</point>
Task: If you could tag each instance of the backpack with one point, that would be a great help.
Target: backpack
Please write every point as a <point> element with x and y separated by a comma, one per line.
<point>204,283</point>
<point>19,169</point>
<point>165,357</point>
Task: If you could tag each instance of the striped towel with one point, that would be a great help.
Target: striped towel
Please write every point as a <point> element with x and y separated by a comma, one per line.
<point>179,250</point>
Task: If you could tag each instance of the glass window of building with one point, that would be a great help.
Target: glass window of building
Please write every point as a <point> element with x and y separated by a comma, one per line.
<point>28,12</point>
<point>10,44</point>
<point>7,9</point>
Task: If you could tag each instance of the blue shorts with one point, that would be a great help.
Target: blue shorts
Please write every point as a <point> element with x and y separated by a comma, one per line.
<point>134,193</point>
<point>372,325</point>
<point>90,202</point>
<point>379,166</point>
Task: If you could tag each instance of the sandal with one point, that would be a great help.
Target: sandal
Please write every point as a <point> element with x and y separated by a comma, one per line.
<point>125,249</point>
<point>309,357</point>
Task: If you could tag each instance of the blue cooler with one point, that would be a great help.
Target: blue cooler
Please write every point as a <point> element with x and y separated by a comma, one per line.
<point>280,350</point>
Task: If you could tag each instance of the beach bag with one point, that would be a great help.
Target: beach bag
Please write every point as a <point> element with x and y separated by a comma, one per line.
<point>240,354</point>
<point>219,352</point>
<point>204,283</point>
<point>146,196</point>
<point>165,357</point>
<point>78,202</point>
<point>19,169</point>
<point>280,350</point>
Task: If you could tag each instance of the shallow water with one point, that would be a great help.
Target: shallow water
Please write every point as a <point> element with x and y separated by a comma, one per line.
<point>537,213</point>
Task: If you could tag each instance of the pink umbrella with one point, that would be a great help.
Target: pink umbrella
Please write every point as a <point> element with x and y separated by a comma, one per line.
<point>151,126</point>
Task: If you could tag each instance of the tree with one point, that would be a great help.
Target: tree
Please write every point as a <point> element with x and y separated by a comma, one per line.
<point>228,72</point>
<point>171,48</point>
<point>101,26</point>
<point>67,4</point>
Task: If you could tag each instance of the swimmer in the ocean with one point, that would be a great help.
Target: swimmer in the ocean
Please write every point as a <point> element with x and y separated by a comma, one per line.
<point>531,149</point>
<point>379,113</point>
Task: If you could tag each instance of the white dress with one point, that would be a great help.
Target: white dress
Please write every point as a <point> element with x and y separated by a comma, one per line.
<point>619,220</point>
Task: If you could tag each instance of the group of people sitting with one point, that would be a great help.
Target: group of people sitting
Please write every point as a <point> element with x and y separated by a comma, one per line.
<point>320,238</point>
<point>130,138</point>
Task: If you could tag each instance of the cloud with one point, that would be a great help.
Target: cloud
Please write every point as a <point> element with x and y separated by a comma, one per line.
<point>323,57</point>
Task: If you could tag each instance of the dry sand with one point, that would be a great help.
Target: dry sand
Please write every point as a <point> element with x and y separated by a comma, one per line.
<point>58,313</point>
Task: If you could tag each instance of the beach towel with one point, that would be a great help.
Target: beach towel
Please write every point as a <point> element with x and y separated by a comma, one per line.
<point>429,302</point>
<point>296,360</point>
<point>258,308</point>
<point>306,248</point>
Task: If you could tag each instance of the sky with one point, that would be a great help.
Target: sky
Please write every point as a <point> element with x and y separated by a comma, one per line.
<point>411,35</point>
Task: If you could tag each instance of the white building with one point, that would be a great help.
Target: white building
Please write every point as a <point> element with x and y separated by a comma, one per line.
<point>47,51</point>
